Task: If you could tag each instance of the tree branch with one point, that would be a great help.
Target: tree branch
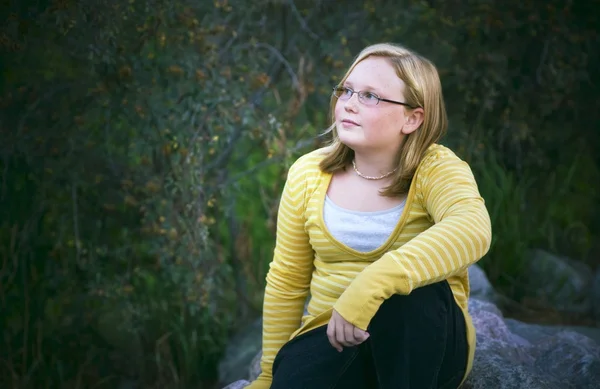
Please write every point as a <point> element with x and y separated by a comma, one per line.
<point>302,21</point>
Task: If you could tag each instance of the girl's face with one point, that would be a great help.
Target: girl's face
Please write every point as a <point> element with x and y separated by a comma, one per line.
<point>380,127</point>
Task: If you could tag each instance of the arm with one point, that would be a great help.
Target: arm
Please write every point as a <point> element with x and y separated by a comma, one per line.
<point>288,279</point>
<point>460,236</point>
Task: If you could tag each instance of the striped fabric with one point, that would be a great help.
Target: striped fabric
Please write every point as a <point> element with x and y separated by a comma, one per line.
<point>445,228</point>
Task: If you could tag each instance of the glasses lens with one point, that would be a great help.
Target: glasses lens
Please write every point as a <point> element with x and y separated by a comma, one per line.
<point>340,92</point>
<point>368,98</point>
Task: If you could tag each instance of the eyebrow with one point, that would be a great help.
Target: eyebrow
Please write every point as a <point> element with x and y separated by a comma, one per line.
<point>367,87</point>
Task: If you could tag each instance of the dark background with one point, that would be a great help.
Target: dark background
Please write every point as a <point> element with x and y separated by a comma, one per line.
<point>144,144</point>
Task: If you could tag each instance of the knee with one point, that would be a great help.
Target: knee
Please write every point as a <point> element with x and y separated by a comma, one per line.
<point>431,301</point>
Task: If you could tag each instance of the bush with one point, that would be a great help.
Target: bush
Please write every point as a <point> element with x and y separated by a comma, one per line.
<point>123,165</point>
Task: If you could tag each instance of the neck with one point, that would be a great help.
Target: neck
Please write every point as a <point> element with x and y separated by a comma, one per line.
<point>374,165</point>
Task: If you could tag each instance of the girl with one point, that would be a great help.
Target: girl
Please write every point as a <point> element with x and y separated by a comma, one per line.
<point>380,228</point>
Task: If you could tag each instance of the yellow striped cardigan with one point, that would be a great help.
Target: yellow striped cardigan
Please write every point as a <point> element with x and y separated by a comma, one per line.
<point>445,227</point>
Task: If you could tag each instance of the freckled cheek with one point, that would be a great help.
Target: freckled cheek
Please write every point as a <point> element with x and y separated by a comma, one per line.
<point>377,126</point>
<point>392,123</point>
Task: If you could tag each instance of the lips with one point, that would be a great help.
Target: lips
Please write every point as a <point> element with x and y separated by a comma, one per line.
<point>351,122</point>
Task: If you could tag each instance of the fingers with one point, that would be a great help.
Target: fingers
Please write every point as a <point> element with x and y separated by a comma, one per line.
<point>343,334</point>
<point>340,333</point>
<point>349,335</point>
<point>353,336</point>
<point>360,335</point>
<point>331,335</point>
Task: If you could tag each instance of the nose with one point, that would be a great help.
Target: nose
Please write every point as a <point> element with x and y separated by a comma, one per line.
<point>352,102</point>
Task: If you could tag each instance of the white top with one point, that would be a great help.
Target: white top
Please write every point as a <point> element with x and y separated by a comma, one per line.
<point>362,231</point>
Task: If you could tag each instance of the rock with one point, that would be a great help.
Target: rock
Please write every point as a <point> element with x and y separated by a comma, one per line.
<point>481,288</point>
<point>491,370</point>
<point>569,357</point>
<point>238,384</point>
<point>254,370</point>
<point>494,337</point>
<point>476,306</point>
<point>559,282</point>
<point>535,332</point>
<point>240,352</point>
<point>533,356</point>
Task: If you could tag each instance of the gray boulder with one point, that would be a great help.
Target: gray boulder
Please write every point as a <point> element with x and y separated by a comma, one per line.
<point>240,353</point>
<point>512,355</point>
<point>569,358</point>
<point>535,332</point>
<point>561,283</point>
<point>494,338</point>
<point>492,370</point>
<point>533,356</point>
<point>237,384</point>
<point>481,288</point>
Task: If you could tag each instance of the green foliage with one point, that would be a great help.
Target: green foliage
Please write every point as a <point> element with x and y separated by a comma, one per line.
<point>531,211</point>
<point>145,144</point>
<point>126,153</point>
<point>505,197</point>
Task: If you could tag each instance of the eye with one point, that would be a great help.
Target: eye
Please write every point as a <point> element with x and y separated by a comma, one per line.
<point>370,96</point>
<point>347,92</point>
<point>342,92</point>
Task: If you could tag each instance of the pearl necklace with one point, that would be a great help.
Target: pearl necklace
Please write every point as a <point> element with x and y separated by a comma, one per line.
<point>369,177</point>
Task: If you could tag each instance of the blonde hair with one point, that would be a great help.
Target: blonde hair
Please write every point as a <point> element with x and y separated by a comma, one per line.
<point>423,89</point>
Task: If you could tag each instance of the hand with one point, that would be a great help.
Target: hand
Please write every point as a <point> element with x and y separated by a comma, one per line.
<point>341,333</point>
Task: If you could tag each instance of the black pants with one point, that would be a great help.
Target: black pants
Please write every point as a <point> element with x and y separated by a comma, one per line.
<point>416,342</point>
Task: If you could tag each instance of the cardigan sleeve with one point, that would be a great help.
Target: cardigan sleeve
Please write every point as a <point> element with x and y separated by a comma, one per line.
<point>461,235</point>
<point>289,275</point>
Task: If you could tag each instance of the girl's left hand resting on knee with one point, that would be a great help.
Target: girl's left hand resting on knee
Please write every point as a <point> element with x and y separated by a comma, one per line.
<point>342,333</point>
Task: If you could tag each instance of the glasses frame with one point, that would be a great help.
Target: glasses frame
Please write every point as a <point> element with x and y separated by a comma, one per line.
<point>361,95</point>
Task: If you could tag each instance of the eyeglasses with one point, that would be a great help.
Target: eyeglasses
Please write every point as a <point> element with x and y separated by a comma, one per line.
<point>367,98</point>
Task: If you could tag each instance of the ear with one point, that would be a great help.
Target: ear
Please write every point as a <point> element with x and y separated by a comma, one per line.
<point>414,119</point>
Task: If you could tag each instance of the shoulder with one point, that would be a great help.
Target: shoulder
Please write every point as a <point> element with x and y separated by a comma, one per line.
<point>308,164</point>
<point>305,174</point>
<point>437,157</point>
<point>437,153</point>
<point>441,165</point>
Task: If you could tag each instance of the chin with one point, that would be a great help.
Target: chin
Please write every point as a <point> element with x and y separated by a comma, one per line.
<point>347,138</point>
<point>353,137</point>
<point>351,143</point>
